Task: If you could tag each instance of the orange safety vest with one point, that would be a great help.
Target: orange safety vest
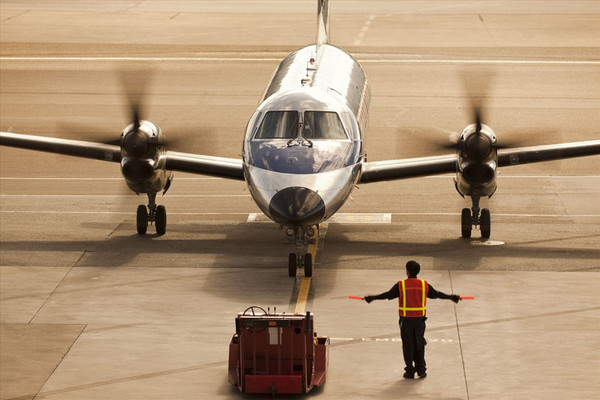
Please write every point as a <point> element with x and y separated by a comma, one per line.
<point>413,297</point>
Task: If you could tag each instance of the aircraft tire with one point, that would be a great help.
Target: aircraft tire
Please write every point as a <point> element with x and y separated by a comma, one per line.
<point>142,219</point>
<point>485,223</point>
<point>292,265</point>
<point>308,265</point>
<point>161,220</point>
<point>465,223</point>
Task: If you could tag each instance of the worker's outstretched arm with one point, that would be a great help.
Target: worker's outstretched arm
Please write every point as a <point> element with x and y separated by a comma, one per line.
<point>393,293</point>
<point>436,294</point>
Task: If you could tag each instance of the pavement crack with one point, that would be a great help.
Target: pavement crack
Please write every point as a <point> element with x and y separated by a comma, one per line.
<point>60,362</point>
<point>56,287</point>
<point>13,17</point>
<point>462,357</point>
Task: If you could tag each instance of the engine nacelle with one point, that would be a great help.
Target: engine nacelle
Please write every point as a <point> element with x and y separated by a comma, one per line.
<point>142,164</point>
<point>478,161</point>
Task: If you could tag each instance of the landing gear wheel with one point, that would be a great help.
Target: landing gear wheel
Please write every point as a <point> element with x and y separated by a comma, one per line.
<point>292,265</point>
<point>161,220</point>
<point>485,223</point>
<point>465,223</point>
<point>308,265</point>
<point>142,219</point>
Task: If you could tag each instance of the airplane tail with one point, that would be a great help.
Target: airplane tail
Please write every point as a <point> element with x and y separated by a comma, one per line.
<point>322,23</point>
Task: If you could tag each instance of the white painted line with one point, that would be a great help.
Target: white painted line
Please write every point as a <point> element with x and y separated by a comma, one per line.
<point>386,339</point>
<point>267,59</point>
<point>444,176</point>
<point>507,215</point>
<point>142,59</point>
<point>114,212</point>
<point>122,195</point>
<point>54,178</point>
<point>507,62</point>
<point>256,217</point>
<point>340,218</point>
<point>364,30</point>
<point>361,218</point>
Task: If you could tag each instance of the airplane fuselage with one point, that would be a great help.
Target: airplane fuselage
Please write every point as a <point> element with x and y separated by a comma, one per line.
<point>303,146</point>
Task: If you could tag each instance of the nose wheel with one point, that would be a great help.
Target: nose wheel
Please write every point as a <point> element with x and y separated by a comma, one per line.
<point>470,218</point>
<point>302,237</point>
<point>151,214</point>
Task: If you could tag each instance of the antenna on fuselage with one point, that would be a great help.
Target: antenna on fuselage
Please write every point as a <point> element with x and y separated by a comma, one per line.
<point>322,24</point>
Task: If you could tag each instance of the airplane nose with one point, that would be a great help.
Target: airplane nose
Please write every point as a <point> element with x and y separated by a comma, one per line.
<point>297,206</point>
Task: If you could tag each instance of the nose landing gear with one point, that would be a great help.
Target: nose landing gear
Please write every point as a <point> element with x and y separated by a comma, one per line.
<point>152,214</point>
<point>302,237</point>
<point>470,218</point>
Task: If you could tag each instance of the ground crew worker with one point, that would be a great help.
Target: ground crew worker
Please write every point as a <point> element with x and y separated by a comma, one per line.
<point>412,294</point>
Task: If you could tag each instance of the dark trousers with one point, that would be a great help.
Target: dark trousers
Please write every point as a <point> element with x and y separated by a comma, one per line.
<point>412,332</point>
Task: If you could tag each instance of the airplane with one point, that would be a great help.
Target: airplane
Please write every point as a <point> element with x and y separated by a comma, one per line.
<point>303,150</point>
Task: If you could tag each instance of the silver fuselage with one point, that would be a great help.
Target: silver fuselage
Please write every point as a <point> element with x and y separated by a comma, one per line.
<point>298,177</point>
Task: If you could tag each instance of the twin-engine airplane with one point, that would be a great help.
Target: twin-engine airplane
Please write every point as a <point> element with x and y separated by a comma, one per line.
<point>303,150</point>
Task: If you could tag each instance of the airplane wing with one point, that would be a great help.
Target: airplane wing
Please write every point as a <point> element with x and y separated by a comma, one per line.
<point>78,148</point>
<point>207,165</point>
<point>411,168</point>
<point>526,155</point>
<point>377,171</point>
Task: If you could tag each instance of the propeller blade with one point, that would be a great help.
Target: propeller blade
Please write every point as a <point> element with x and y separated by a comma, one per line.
<point>135,84</point>
<point>476,86</point>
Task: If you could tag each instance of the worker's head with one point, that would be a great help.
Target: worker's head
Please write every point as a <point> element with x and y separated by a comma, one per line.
<point>412,268</point>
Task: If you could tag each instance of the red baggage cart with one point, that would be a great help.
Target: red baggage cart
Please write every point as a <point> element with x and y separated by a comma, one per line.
<point>276,353</point>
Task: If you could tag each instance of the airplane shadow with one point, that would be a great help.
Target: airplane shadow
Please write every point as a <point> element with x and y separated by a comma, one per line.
<point>240,253</point>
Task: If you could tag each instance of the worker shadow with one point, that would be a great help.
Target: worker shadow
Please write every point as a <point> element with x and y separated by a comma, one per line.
<point>413,389</point>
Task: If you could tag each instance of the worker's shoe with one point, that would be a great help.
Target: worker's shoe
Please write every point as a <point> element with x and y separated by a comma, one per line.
<point>409,375</point>
<point>423,375</point>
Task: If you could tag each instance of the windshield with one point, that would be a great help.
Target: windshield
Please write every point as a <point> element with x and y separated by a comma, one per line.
<point>278,125</point>
<point>323,125</point>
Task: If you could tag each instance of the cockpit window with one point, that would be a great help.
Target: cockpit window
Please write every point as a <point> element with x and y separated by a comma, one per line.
<point>278,125</point>
<point>323,125</point>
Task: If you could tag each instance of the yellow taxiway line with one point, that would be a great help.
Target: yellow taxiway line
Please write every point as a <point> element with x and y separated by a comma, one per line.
<point>305,284</point>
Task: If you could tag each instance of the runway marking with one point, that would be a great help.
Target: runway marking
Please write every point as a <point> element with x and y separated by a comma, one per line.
<point>122,195</point>
<point>51,178</point>
<point>346,341</point>
<point>397,339</point>
<point>302,296</point>
<point>487,243</point>
<point>263,218</point>
<point>364,30</point>
<point>339,218</point>
<point>444,176</point>
<point>114,212</point>
<point>278,59</point>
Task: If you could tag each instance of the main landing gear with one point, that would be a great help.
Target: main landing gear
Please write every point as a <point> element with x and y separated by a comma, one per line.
<point>302,237</point>
<point>152,214</point>
<point>468,220</point>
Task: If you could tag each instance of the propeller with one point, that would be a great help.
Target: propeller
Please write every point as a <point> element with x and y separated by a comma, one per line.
<point>478,144</point>
<point>135,84</point>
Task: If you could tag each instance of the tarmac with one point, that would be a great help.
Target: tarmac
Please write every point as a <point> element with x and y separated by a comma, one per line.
<point>91,310</point>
